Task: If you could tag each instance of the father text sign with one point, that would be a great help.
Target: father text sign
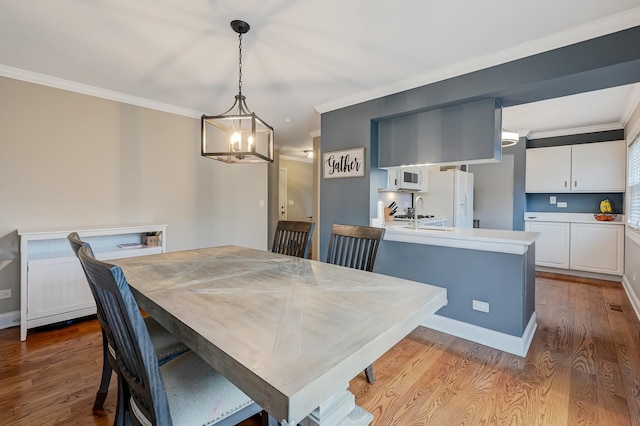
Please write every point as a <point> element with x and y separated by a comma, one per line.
<point>347,163</point>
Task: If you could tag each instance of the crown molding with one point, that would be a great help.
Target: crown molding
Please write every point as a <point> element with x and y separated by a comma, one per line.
<point>85,89</point>
<point>576,130</point>
<point>525,134</point>
<point>590,30</point>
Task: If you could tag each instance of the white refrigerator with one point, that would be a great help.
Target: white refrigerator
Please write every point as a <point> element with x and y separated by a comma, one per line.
<point>450,197</point>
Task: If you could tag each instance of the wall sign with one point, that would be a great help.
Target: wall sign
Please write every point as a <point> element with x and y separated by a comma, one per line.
<point>340,164</point>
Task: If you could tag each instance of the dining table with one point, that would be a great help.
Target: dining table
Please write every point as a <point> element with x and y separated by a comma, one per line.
<point>289,332</point>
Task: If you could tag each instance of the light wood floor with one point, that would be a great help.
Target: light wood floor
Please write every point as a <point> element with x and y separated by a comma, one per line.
<point>583,368</point>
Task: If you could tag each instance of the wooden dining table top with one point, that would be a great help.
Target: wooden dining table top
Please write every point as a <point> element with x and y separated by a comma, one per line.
<point>289,332</point>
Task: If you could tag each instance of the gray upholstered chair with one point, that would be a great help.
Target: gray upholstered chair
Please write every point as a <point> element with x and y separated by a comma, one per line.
<point>355,247</point>
<point>165,345</point>
<point>293,238</point>
<point>183,391</point>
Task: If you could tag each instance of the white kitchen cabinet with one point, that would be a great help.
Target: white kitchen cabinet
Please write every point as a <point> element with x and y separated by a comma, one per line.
<point>53,287</point>
<point>590,167</point>
<point>548,169</point>
<point>552,248</point>
<point>599,167</point>
<point>597,247</point>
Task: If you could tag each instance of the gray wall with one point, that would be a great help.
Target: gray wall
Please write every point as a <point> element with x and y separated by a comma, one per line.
<point>594,64</point>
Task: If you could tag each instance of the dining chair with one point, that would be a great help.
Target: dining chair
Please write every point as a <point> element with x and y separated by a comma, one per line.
<point>183,391</point>
<point>293,238</point>
<point>355,247</point>
<point>165,345</point>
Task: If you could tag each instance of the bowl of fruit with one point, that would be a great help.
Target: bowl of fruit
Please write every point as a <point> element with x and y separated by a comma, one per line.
<point>606,212</point>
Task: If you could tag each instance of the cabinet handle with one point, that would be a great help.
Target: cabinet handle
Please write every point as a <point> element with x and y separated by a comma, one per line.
<point>565,183</point>
<point>575,183</point>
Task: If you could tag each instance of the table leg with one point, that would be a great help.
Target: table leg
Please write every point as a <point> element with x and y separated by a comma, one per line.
<point>339,410</point>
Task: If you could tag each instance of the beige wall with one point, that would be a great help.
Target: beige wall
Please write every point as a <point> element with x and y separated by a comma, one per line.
<point>72,160</point>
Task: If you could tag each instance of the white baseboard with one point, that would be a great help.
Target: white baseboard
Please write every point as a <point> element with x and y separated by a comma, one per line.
<point>494,339</point>
<point>9,319</point>
<point>583,274</point>
<point>633,297</point>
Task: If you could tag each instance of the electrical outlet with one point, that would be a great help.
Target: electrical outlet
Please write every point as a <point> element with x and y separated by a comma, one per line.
<point>552,199</point>
<point>480,306</point>
<point>562,204</point>
<point>5,294</point>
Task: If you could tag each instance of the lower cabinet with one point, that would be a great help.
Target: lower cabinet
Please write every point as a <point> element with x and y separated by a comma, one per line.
<point>552,248</point>
<point>597,248</point>
<point>591,247</point>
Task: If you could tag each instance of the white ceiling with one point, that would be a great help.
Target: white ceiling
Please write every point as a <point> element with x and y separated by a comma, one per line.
<point>607,109</point>
<point>300,57</point>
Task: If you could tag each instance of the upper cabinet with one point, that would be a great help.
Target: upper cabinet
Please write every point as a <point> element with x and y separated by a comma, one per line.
<point>548,169</point>
<point>590,167</point>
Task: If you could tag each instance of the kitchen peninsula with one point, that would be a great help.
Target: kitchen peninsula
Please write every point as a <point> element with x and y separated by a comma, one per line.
<point>489,276</point>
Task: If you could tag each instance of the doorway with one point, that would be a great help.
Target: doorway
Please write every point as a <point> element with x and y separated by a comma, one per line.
<point>282,194</point>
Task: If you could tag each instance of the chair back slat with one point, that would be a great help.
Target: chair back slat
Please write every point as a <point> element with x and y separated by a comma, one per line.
<point>130,338</point>
<point>293,238</point>
<point>354,246</point>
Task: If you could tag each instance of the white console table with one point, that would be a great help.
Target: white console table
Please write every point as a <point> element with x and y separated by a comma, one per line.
<point>53,287</point>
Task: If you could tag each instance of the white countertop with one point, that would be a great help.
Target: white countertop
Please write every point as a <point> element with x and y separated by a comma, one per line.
<point>495,240</point>
<point>570,217</point>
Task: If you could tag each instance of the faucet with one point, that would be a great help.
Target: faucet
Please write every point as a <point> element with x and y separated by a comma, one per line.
<point>415,211</point>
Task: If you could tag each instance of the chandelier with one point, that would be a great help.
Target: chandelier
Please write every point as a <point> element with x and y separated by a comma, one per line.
<point>237,135</point>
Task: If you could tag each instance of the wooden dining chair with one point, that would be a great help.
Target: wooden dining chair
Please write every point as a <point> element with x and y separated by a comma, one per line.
<point>355,247</point>
<point>293,238</point>
<point>183,391</point>
<point>165,345</point>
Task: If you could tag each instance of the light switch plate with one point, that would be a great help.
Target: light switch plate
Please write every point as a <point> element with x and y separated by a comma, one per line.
<point>552,199</point>
<point>562,204</point>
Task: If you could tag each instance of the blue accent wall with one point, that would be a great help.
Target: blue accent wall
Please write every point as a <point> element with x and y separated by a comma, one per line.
<point>598,63</point>
<point>577,203</point>
<point>505,281</point>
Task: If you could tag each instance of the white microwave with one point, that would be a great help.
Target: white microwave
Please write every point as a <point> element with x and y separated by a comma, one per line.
<point>410,178</point>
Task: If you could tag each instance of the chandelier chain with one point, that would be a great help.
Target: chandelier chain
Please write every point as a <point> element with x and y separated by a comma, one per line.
<point>240,64</point>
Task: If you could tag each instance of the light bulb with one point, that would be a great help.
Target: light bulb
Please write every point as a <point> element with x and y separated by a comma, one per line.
<point>235,141</point>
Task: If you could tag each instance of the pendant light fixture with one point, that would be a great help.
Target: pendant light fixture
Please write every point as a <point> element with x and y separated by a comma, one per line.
<point>238,135</point>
